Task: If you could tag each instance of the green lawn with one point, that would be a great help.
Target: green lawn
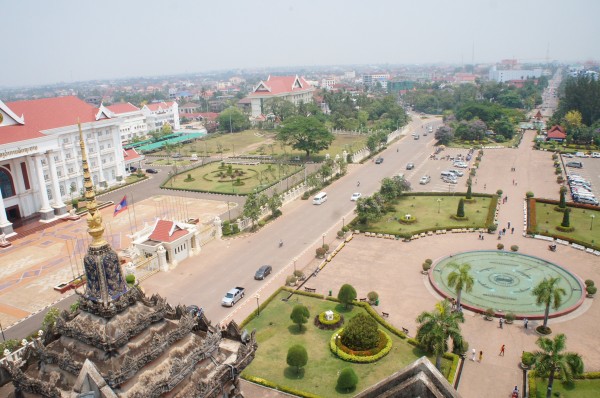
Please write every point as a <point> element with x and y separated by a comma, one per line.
<point>431,212</point>
<point>587,230</point>
<point>276,333</point>
<point>579,389</point>
<point>171,162</point>
<point>487,142</point>
<point>206,178</point>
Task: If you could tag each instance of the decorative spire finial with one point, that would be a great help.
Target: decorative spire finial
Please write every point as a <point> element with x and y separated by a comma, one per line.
<point>94,218</point>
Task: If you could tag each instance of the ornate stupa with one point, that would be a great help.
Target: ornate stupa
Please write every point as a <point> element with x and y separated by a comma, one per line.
<point>120,343</point>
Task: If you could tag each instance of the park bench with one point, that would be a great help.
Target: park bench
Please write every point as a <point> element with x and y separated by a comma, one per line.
<point>310,290</point>
<point>405,330</point>
<point>385,314</point>
<point>363,299</point>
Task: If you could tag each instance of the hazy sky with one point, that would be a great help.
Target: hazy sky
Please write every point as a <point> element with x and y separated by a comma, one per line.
<point>72,40</point>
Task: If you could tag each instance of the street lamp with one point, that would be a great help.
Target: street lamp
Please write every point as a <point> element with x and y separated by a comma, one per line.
<point>257,306</point>
<point>343,222</point>
<point>439,204</point>
<point>323,240</point>
<point>295,265</point>
<point>228,210</point>
<point>2,330</point>
<point>592,221</point>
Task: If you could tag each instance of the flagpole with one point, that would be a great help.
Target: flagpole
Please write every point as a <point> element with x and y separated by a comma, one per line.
<point>129,217</point>
<point>134,215</point>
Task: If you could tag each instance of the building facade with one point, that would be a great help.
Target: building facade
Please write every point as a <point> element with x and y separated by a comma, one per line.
<point>133,121</point>
<point>289,88</point>
<point>503,76</point>
<point>160,113</point>
<point>40,157</point>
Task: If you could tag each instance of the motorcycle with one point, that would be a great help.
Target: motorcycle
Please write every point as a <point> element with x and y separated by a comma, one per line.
<point>552,248</point>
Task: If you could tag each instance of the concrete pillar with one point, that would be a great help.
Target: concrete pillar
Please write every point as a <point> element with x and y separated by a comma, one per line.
<point>57,203</point>
<point>196,242</point>
<point>46,212</point>
<point>218,227</point>
<point>5,225</point>
<point>162,258</point>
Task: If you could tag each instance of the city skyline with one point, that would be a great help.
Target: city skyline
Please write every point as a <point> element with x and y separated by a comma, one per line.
<point>69,41</point>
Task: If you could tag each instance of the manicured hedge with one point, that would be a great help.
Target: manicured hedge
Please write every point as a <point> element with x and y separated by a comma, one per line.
<point>357,358</point>
<point>302,292</point>
<point>278,387</point>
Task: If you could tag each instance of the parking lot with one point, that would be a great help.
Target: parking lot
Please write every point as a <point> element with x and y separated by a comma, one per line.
<point>590,172</point>
<point>433,167</point>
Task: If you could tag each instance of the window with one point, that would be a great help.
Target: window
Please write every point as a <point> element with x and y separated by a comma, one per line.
<point>6,184</point>
<point>46,177</point>
<point>70,170</point>
<point>43,162</point>
<point>49,193</point>
<point>68,155</point>
<point>101,147</point>
<point>56,158</point>
<point>59,173</point>
<point>65,140</point>
<point>62,190</point>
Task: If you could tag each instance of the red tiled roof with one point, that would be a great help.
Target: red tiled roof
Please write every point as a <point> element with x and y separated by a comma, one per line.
<point>44,114</point>
<point>280,85</point>
<point>130,155</point>
<point>209,115</point>
<point>123,107</point>
<point>162,229</point>
<point>556,132</point>
<point>155,106</point>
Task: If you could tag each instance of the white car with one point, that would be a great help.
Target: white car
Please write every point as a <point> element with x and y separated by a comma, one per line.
<point>355,196</point>
<point>424,180</point>
<point>450,180</point>
<point>596,154</point>
<point>457,173</point>
<point>462,165</point>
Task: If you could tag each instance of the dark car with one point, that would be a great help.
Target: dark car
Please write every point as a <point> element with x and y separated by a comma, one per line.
<point>577,165</point>
<point>131,169</point>
<point>410,166</point>
<point>378,160</point>
<point>263,272</point>
<point>152,171</point>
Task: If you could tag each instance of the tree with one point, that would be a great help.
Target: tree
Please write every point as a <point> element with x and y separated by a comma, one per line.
<point>274,204</point>
<point>369,208</point>
<point>232,120</point>
<point>469,193</point>
<point>50,318</point>
<point>307,134</point>
<point>300,315</point>
<point>437,327</point>
<point>565,221</point>
<point>548,293</point>
<point>552,358</point>
<point>573,119</point>
<point>444,135</point>
<point>297,357</point>
<point>166,129</point>
<point>460,279</point>
<point>389,189</point>
<point>460,212</point>
<point>347,380</point>
<point>252,207</point>
<point>563,201</point>
<point>361,333</point>
<point>347,294</point>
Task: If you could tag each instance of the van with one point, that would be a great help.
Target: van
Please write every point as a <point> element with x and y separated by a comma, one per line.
<point>319,198</point>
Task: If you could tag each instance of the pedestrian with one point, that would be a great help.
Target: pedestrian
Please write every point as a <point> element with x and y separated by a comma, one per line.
<point>525,322</point>
<point>508,225</point>
<point>484,186</point>
<point>512,230</point>
<point>502,350</point>
<point>473,354</point>
<point>513,181</point>
<point>476,181</point>
<point>480,356</point>
<point>500,321</point>
<point>503,231</point>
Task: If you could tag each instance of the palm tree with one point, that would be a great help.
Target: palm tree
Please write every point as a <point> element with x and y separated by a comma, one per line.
<point>460,279</point>
<point>551,358</point>
<point>437,327</point>
<point>549,293</point>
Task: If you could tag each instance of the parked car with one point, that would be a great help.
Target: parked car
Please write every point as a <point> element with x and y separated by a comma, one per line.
<point>263,272</point>
<point>152,171</point>
<point>410,166</point>
<point>596,154</point>
<point>450,180</point>
<point>581,155</point>
<point>457,173</point>
<point>379,160</point>
<point>355,196</point>
<point>577,165</point>
<point>233,296</point>
<point>588,201</point>
<point>567,155</point>
<point>462,165</point>
<point>424,180</point>
<point>131,169</point>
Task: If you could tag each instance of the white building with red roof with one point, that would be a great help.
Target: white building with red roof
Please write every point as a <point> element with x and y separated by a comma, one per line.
<point>40,156</point>
<point>290,88</point>
<point>160,113</point>
<point>133,124</point>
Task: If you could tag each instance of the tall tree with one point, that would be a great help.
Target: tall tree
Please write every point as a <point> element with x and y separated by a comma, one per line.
<point>233,120</point>
<point>444,135</point>
<point>437,327</point>
<point>549,293</point>
<point>347,294</point>
<point>252,207</point>
<point>274,204</point>
<point>297,357</point>
<point>551,358</point>
<point>460,279</point>
<point>300,315</point>
<point>307,134</point>
<point>460,211</point>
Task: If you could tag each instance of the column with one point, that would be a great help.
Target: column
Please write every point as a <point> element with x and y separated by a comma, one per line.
<point>5,225</point>
<point>58,205</point>
<point>46,212</point>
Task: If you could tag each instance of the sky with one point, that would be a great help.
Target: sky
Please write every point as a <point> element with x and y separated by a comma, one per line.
<point>77,40</point>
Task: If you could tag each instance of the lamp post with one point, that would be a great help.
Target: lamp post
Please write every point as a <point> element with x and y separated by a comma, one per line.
<point>295,265</point>
<point>2,330</point>
<point>343,222</point>
<point>439,204</point>
<point>257,305</point>
<point>592,221</point>
<point>228,210</point>
<point>323,240</point>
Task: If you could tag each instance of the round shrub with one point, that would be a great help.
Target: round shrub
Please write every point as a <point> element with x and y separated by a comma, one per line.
<point>527,358</point>
<point>500,246</point>
<point>320,252</point>
<point>510,317</point>
<point>299,274</point>
<point>340,233</point>
<point>297,356</point>
<point>429,261</point>
<point>499,192</point>
<point>489,313</point>
<point>372,296</point>
<point>591,290</point>
<point>529,194</point>
<point>347,380</point>
<point>368,356</point>
<point>426,266</point>
<point>130,279</point>
<point>291,280</point>
<point>589,282</point>
<point>514,248</point>
<point>361,333</point>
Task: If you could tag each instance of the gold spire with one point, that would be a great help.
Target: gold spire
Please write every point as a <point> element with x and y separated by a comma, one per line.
<point>94,218</point>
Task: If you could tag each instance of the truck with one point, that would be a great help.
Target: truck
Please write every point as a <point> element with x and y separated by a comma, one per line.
<point>233,296</point>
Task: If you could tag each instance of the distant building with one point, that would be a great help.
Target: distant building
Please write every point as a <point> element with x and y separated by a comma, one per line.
<point>160,113</point>
<point>556,133</point>
<point>290,88</point>
<point>189,107</point>
<point>400,86</point>
<point>503,76</point>
<point>373,79</point>
<point>328,83</point>
<point>133,123</point>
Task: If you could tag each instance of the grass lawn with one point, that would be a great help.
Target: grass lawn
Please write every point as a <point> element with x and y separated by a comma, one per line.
<point>276,333</point>
<point>547,219</point>
<point>430,214</point>
<point>579,389</point>
<point>206,178</point>
<point>134,178</point>
<point>171,162</point>
<point>488,142</point>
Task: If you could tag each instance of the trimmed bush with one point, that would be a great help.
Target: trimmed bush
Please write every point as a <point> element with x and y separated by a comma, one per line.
<point>500,246</point>
<point>372,296</point>
<point>489,313</point>
<point>591,290</point>
<point>527,358</point>
<point>300,315</point>
<point>589,282</point>
<point>499,192</point>
<point>514,248</point>
<point>290,280</point>
<point>130,279</point>
<point>361,333</point>
<point>347,294</point>
<point>529,194</point>
<point>343,352</point>
<point>320,252</point>
<point>299,274</point>
<point>347,380</point>
<point>297,357</point>
<point>510,317</point>
<point>469,193</point>
<point>426,266</point>
<point>460,212</point>
<point>566,222</point>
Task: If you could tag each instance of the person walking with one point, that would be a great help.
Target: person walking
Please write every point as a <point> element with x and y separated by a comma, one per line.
<point>480,356</point>
<point>512,230</point>
<point>473,354</point>
<point>501,322</point>
<point>508,225</point>
<point>502,350</point>
<point>525,322</point>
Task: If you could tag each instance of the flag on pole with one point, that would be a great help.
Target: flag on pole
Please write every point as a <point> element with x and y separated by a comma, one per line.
<point>121,206</point>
